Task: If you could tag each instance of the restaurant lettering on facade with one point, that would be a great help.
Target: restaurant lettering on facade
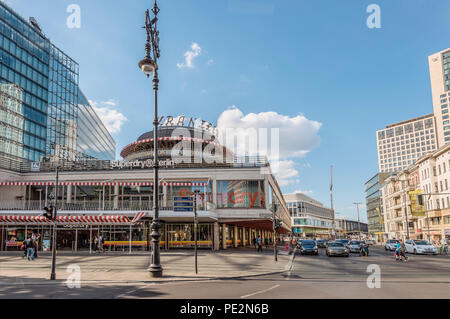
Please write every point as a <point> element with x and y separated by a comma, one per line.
<point>141,164</point>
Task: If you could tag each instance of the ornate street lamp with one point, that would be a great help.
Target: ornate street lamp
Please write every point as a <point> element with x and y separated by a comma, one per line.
<point>149,66</point>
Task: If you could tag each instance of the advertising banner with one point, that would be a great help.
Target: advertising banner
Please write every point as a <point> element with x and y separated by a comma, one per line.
<point>417,206</point>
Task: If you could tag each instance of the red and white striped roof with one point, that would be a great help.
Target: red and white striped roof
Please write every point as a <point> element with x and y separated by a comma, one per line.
<point>201,184</point>
<point>64,220</point>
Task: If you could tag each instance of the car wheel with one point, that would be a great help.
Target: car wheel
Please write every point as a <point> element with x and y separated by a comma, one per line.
<point>385,248</point>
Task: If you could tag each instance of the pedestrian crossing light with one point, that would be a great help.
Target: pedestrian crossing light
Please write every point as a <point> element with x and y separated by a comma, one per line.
<point>48,213</point>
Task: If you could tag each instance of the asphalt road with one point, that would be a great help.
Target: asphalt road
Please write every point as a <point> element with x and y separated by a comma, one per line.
<point>310,277</point>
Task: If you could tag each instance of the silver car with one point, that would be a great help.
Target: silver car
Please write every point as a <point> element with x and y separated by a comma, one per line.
<point>337,249</point>
<point>355,246</point>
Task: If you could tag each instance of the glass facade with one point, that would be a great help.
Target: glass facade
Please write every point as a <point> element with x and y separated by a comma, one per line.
<point>374,204</point>
<point>240,194</point>
<point>62,113</point>
<point>93,140</point>
<point>24,64</point>
<point>41,101</point>
<point>446,62</point>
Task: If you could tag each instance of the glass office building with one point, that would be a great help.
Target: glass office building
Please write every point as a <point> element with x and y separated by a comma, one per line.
<point>374,206</point>
<point>43,113</point>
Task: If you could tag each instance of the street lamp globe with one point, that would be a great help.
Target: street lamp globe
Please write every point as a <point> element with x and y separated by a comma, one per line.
<point>148,67</point>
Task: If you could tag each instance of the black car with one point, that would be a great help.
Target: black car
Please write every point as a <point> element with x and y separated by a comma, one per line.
<point>322,243</point>
<point>309,247</point>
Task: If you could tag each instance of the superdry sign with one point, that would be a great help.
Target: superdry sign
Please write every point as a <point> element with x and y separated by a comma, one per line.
<point>141,164</point>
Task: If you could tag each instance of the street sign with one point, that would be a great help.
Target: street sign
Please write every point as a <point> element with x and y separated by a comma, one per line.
<point>183,204</point>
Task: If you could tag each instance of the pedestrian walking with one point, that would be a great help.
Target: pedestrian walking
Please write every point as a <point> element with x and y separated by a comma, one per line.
<point>266,241</point>
<point>36,238</point>
<point>100,243</point>
<point>29,244</point>
<point>259,243</point>
<point>254,242</point>
<point>96,243</point>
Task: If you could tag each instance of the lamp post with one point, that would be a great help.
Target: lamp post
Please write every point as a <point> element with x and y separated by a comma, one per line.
<point>53,274</point>
<point>149,67</point>
<point>196,194</point>
<point>359,223</point>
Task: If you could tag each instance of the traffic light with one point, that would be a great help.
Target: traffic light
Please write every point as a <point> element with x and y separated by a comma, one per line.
<point>276,224</point>
<point>48,213</point>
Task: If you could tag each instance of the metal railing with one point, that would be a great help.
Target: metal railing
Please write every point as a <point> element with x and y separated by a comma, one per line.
<point>87,206</point>
<point>98,165</point>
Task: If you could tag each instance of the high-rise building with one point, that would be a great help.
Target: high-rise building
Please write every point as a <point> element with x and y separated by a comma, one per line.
<point>374,206</point>
<point>440,88</point>
<point>43,112</point>
<point>401,144</point>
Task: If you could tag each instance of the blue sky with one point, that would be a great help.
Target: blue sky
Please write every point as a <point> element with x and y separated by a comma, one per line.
<point>316,58</point>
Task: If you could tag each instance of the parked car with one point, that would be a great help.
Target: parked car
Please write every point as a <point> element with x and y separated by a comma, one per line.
<point>355,245</point>
<point>420,247</point>
<point>337,249</point>
<point>309,247</point>
<point>322,243</point>
<point>391,245</point>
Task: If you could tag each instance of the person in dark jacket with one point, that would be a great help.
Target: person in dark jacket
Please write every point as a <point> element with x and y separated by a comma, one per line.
<point>30,246</point>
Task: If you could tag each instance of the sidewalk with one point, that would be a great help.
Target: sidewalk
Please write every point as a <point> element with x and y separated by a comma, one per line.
<point>177,265</point>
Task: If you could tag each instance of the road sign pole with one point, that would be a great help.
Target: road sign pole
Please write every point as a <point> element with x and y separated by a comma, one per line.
<point>195,231</point>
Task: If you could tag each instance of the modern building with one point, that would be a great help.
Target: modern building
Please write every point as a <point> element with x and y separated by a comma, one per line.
<point>431,176</point>
<point>439,64</point>
<point>374,206</point>
<point>236,202</point>
<point>401,144</point>
<point>44,114</point>
<point>310,218</point>
<point>349,228</point>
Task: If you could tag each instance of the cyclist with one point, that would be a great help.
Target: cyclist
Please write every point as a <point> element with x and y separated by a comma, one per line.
<point>400,251</point>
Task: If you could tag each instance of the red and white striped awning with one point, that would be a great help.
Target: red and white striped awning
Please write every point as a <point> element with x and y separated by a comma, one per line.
<point>138,217</point>
<point>64,220</point>
<point>199,184</point>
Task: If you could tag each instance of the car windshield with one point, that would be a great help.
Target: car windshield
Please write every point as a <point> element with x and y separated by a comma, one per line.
<point>308,243</point>
<point>421,242</point>
<point>392,242</point>
<point>355,243</point>
<point>336,245</point>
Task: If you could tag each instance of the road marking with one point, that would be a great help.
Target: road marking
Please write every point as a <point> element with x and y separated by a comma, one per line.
<point>260,292</point>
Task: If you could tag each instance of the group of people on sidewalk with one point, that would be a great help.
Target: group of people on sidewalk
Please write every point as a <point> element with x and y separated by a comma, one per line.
<point>258,244</point>
<point>30,247</point>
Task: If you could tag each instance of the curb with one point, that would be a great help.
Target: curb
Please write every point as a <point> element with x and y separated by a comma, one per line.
<point>183,279</point>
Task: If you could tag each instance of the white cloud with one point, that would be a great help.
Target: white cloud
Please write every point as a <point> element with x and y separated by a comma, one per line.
<point>297,135</point>
<point>285,173</point>
<point>190,55</point>
<point>210,61</point>
<point>280,137</point>
<point>112,118</point>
